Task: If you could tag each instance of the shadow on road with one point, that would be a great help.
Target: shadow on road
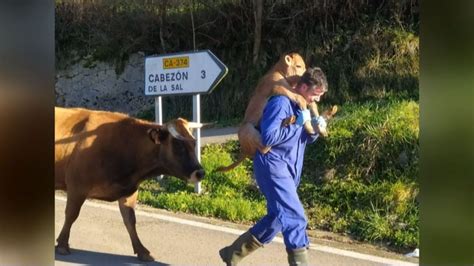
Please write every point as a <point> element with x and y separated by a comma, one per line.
<point>98,258</point>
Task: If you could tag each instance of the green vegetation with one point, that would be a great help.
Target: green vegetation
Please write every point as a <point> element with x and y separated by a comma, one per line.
<point>368,49</point>
<point>360,181</point>
<point>227,196</point>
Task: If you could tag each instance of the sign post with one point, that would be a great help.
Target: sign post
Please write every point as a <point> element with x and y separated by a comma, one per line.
<point>197,119</point>
<point>186,73</point>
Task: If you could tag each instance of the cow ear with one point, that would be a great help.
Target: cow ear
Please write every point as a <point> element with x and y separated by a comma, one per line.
<point>153,134</point>
<point>157,135</point>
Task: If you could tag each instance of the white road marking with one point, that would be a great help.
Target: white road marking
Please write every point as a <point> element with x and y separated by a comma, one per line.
<point>320,248</point>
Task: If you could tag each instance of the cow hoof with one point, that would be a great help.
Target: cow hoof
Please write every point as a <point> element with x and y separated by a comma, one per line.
<point>145,257</point>
<point>63,250</point>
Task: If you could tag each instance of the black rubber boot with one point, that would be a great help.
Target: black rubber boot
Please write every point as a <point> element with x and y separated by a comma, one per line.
<point>298,257</point>
<point>242,246</point>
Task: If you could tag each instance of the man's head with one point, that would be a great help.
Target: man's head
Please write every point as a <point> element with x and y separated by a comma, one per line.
<point>312,85</point>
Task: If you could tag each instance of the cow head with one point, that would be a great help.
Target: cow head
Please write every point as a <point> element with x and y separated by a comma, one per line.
<point>176,147</point>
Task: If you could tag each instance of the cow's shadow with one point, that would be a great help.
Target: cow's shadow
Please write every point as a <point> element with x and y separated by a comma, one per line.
<point>86,257</point>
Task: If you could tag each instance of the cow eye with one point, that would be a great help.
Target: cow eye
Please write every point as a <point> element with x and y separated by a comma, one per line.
<point>298,66</point>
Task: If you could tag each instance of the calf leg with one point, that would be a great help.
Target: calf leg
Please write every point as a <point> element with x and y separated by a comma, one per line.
<point>127,209</point>
<point>73,207</point>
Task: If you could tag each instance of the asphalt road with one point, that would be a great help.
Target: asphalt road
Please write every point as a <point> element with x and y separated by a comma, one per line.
<point>218,135</point>
<point>99,237</point>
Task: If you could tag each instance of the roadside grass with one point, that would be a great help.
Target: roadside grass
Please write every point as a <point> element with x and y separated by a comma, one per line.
<point>361,181</point>
<point>228,196</point>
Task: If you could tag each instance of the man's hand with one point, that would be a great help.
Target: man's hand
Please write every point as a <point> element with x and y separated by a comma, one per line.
<point>302,117</point>
<point>319,121</point>
<point>320,124</point>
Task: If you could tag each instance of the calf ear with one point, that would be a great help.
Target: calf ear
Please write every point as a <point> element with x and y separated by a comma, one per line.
<point>288,60</point>
<point>157,135</point>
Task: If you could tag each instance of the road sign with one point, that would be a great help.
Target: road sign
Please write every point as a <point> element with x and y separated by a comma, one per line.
<point>183,73</point>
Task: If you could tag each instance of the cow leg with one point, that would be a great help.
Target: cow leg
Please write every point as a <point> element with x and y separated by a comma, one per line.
<point>127,209</point>
<point>73,206</point>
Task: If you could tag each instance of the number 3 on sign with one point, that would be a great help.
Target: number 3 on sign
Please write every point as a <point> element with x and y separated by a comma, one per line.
<point>203,74</point>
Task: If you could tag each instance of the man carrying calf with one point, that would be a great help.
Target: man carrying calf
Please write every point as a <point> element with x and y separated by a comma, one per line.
<point>278,174</point>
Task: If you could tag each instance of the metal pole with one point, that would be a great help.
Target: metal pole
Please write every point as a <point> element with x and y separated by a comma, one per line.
<point>158,111</point>
<point>196,108</point>
<point>158,119</point>
<point>197,119</point>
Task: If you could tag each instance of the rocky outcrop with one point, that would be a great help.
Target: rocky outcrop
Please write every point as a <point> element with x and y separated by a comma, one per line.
<point>101,88</point>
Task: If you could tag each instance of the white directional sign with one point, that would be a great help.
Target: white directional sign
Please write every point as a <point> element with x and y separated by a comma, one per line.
<point>183,73</point>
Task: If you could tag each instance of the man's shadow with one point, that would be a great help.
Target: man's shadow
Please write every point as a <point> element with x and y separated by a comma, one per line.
<point>86,257</point>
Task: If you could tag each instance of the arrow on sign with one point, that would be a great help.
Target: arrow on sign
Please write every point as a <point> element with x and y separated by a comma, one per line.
<point>183,73</point>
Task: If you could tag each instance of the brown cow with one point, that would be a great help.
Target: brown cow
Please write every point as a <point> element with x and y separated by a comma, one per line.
<point>104,155</point>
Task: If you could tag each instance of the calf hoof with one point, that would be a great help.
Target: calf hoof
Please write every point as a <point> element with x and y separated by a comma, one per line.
<point>146,257</point>
<point>63,250</point>
<point>266,149</point>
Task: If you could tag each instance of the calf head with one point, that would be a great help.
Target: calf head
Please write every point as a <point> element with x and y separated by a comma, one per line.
<point>291,65</point>
<point>177,155</point>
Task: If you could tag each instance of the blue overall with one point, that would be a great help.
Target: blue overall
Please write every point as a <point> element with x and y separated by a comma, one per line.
<point>278,175</point>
